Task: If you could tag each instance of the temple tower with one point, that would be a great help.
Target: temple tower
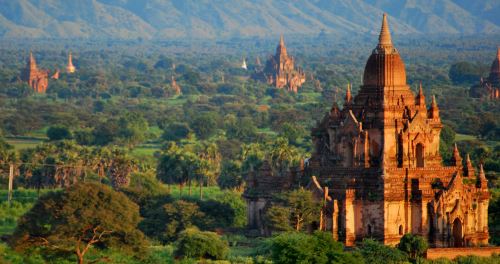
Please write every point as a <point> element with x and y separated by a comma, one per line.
<point>70,68</point>
<point>36,78</point>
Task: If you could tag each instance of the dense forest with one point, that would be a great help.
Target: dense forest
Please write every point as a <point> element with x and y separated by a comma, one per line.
<point>164,172</point>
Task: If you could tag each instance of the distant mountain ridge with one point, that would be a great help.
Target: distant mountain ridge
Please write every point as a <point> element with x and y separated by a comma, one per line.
<point>210,19</point>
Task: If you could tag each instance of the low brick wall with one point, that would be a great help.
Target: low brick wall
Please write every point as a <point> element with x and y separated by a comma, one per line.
<point>451,253</point>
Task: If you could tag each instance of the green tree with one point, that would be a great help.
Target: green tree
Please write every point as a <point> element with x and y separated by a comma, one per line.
<point>282,155</point>
<point>204,125</point>
<point>180,215</point>
<point>231,175</point>
<point>176,132</point>
<point>193,243</point>
<point>58,133</point>
<point>78,219</point>
<point>300,207</point>
<point>377,253</point>
<point>242,129</point>
<point>132,128</point>
<point>176,166</point>
<point>414,245</point>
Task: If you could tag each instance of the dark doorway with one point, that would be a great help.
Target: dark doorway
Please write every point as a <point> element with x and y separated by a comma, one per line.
<point>420,155</point>
<point>457,233</point>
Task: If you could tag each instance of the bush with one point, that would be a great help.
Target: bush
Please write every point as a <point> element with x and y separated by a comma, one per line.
<point>375,252</point>
<point>193,243</point>
<point>58,133</point>
<point>294,247</point>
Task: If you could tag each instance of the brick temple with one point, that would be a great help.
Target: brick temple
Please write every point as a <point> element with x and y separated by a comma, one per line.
<point>376,164</point>
<point>280,71</point>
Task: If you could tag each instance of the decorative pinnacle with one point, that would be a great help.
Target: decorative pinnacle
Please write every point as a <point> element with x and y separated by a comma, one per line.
<point>434,104</point>
<point>384,38</point>
<point>348,96</point>
<point>282,40</point>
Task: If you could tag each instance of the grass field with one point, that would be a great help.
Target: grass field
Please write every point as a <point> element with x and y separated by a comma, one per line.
<point>461,137</point>
<point>20,143</point>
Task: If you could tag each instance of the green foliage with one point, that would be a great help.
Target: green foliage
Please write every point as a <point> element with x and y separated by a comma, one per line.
<point>176,132</point>
<point>467,73</point>
<point>93,215</point>
<point>377,253</point>
<point>240,128</point>
<point>447,138</point>
<point>225,210</point>
<point>176,165</point>
<point>180,215</point>
<point>193,243</point>
<point>294,210</point>
<point>132,128</point>
<point>58,133</point>
<point>204,125</point>
<point>302,248</point>
<point>414,245</point>
<point>231,176</point>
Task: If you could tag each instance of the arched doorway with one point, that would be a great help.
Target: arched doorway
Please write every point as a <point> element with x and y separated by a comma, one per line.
<point>457,233</point>
<point>420,155</point>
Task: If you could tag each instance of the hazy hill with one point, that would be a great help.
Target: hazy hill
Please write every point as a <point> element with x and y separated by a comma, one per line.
<point>167,19</point>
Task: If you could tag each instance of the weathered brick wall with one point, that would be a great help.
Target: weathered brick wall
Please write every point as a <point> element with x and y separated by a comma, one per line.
<point>451,253</point>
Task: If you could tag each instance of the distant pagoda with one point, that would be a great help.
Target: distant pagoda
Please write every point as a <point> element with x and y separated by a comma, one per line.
<point>280,71</point>
<point>37,79</point>
<point>70,68</point>
<point>490,87</point>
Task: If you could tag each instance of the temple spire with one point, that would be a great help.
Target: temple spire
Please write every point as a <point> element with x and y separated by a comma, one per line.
<point>348,96</point>
<point>482,182</point>
<point>420,96</point>
<point>384,38</point>
<point>468,169</point>
<point>32,62</point>
<point>281,49</point>
<point>456,159</point>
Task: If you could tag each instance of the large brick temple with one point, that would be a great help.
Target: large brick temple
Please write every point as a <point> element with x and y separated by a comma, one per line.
<point>377,164</point>
<point>280,70</point>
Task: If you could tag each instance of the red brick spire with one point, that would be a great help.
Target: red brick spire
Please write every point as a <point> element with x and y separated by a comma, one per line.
<point>384,39</point>
<point>420,96</point>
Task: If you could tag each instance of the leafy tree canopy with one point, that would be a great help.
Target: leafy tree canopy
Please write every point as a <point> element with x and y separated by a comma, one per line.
<point>80,218</point>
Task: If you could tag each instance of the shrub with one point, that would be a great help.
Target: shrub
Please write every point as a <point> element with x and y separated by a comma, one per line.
<point>58,133</point>
<point>294,247</point>
<point>375,252</point>
<point>193,243</point>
